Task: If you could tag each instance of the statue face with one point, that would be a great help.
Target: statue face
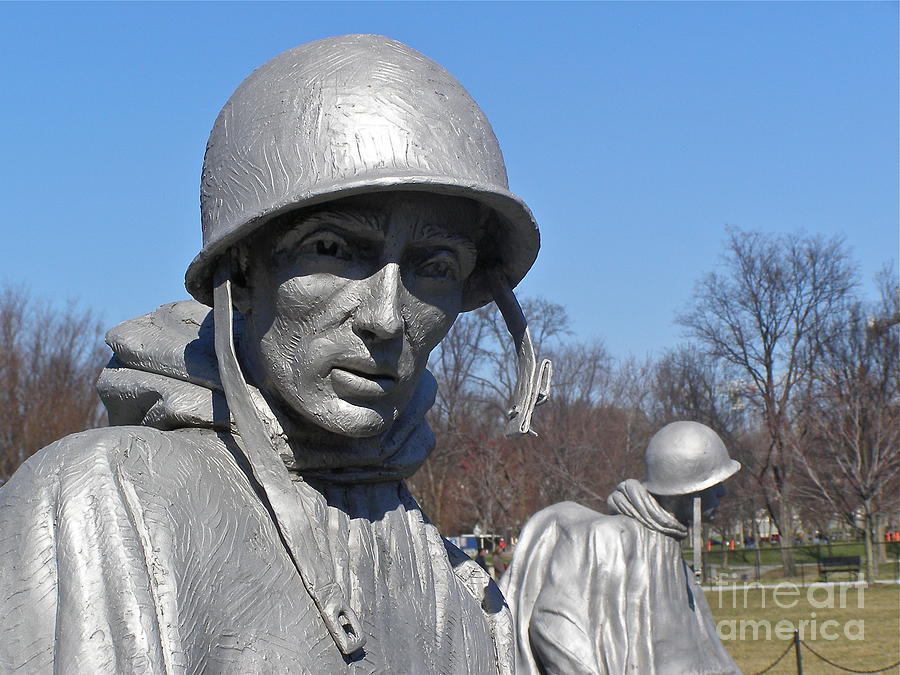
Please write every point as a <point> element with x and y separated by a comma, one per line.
<point>682,506</point>
<point>344,304</point>
<point>710,499</point>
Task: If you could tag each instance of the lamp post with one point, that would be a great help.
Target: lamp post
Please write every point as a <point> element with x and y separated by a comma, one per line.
<point>697,531</point>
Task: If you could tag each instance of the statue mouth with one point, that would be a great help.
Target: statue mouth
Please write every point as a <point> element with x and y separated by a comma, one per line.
<point>360,378</point>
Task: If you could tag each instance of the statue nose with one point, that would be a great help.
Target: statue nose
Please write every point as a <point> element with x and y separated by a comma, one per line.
<point>378,316</point>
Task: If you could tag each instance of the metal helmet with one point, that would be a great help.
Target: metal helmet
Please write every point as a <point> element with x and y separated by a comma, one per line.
<point>686,457</point>
<point>350,115</point>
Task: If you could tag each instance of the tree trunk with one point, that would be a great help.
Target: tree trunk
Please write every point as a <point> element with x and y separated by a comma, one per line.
<point>880,546</point>
<point>786,530</point>
<point>869,534</point>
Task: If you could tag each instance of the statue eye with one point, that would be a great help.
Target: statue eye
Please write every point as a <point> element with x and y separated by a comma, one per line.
<point>442,266</point>
<point>327,245</point>
<point>327,248</point>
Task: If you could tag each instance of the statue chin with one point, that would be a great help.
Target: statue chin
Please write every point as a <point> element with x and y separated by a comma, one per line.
<point>331,415</point>
<point>356,421</point>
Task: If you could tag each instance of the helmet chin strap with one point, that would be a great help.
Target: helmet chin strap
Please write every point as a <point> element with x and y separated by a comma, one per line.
<point>532,380</point>
<point>302,531</point>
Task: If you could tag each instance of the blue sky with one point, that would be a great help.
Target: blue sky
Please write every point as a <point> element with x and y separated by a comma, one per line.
<point>635,131</point>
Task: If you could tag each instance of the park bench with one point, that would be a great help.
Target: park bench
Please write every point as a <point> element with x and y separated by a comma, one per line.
<point>846,563</point>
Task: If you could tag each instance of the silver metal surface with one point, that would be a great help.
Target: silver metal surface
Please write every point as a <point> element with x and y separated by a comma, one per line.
<point>532,378</point>
<point>686,457</point>
<point>345,115</point>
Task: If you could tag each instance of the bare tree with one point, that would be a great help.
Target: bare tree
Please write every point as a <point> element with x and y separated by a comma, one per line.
<point>49,362</point>
<point>594,428</point>
<point>548,323</point>
<point>767,312</point>
<point>567,451</point>
<point>453,417</point>
<point>855,413</point>
<point>688,384</point>
<point>472,475</point>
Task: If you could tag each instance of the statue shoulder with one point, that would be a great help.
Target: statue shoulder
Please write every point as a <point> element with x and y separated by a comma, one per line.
<point>74,517</point>
<point>573,519</point>
<point>99,454</point>
<point>564,514</point>
<point>572,527</point>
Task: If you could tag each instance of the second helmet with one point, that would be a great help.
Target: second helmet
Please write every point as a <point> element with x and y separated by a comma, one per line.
<point>686,457</point>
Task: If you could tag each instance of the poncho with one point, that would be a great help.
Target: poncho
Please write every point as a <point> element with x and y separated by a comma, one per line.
<point>598,594</point>
<point>145,548</point>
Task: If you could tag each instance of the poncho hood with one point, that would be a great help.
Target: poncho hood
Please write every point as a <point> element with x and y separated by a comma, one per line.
<point>632,499</point>
<point>164,374</point>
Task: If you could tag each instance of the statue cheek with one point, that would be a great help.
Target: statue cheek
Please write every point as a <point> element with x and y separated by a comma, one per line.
<point>315,301</point>
<point>428,325</point>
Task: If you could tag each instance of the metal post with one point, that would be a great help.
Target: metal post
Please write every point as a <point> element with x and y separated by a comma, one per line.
<point>757,542</point>
<point>698,540</point>
<point>797,653</point>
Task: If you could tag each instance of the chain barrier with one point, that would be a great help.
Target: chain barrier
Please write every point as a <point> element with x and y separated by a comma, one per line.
<point>826,660</point>
<point>776,661</point>
<point>844,668</point>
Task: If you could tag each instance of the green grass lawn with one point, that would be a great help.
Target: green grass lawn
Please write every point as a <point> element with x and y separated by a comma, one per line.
<point>770,554</point>
<point>856,628</point>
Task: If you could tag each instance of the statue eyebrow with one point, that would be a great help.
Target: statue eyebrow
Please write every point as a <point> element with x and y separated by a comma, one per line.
<point>431,235</point>
<point>371,224</point>
<point>353,221</point>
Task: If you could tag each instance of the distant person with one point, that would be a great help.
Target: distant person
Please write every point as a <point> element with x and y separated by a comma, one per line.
<point>499,564</point>
<point>598,594</point>
<point>481,559</point>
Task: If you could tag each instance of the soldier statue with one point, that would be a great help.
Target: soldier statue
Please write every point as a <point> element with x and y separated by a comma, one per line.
<point>595,594</point>
<point>246,510</point>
